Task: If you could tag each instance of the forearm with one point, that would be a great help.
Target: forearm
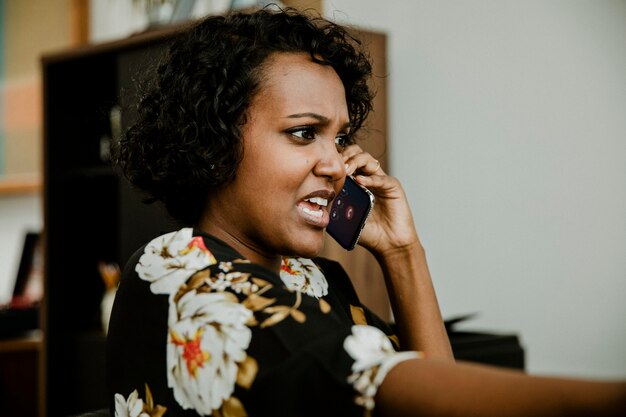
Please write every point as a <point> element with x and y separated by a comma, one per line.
<point>437,388</point>
<point>414,302</point>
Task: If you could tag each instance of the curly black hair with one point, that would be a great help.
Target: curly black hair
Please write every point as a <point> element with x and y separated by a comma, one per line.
<point>187,137</point>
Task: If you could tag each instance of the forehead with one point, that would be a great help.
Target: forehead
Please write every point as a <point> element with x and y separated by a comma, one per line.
<point>294,79</point>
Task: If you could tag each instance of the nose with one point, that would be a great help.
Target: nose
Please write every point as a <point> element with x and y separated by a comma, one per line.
<point>330,162</point>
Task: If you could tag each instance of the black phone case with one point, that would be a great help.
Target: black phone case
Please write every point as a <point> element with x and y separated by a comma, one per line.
<point>349,213</point>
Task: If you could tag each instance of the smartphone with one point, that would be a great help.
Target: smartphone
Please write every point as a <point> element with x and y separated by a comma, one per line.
<point>349,213</point>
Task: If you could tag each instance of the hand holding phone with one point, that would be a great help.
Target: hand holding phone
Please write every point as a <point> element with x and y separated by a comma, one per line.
<point>349,212</point>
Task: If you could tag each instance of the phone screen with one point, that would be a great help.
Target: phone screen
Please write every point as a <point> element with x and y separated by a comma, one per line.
<point>349,213</point>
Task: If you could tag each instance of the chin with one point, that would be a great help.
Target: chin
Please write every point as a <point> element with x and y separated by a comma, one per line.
<point>308,248</point>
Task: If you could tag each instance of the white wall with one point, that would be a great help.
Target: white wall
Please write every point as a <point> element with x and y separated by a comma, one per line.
<point>508,131</point>
<point>18,215</point>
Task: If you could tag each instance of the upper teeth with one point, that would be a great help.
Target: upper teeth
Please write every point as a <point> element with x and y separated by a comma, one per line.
<point>318,200</point>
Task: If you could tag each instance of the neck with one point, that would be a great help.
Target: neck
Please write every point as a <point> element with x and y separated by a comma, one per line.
<point>251,252</point>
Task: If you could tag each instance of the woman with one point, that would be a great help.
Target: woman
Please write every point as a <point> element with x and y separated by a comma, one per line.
<point>247,136</point>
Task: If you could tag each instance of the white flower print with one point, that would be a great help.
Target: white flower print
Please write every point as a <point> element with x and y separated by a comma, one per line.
<point>131,407</point>
<point>207,343</point>
<point>300,274</point>
<point>374,357</point>
<point>235,280</point>
<point>169,260</point>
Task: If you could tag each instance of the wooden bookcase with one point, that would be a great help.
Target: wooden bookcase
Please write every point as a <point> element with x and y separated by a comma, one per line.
<point>91,214</point>
<point>20,376</point>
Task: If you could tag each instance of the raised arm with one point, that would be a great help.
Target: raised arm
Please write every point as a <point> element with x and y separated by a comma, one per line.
<point>436,385</point>
<point>391,236</point>
<point>413,300</point>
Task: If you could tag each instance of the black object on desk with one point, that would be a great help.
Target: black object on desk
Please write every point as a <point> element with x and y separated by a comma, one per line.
<point>488,348</point>
<point>492,349</point>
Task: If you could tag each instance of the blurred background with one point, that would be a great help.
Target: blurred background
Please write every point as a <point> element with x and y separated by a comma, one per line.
<point>507,128</point>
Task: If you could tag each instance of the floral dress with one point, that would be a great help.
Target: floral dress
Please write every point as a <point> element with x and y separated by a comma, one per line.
<point>198,330</point>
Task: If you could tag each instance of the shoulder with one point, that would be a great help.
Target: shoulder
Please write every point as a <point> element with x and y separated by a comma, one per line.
<point>339,277</point>
<point>330,266</point>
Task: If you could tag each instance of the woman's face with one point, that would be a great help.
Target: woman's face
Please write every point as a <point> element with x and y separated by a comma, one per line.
<point>292,168</point>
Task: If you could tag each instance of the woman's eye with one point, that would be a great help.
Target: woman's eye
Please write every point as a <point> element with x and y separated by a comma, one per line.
<point>342,141</point>
<point>303,132</point>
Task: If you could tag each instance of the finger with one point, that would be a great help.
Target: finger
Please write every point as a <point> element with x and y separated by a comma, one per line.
<point>376,169</point>
<point>363,163</point>
<point>350,151</point>
<point>371,167</point>
<point>377,183</point>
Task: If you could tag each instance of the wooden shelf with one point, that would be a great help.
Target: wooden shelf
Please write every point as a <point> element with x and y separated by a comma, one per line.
<point>20,184</point>
<point>31,341</point>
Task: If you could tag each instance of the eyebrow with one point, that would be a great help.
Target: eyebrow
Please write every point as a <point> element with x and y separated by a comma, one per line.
<point>318,117</point>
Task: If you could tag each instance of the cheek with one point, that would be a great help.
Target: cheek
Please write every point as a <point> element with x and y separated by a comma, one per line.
<point>339,185</point>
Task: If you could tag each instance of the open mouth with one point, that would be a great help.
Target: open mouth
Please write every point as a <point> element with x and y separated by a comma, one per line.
<point>315,206</point>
